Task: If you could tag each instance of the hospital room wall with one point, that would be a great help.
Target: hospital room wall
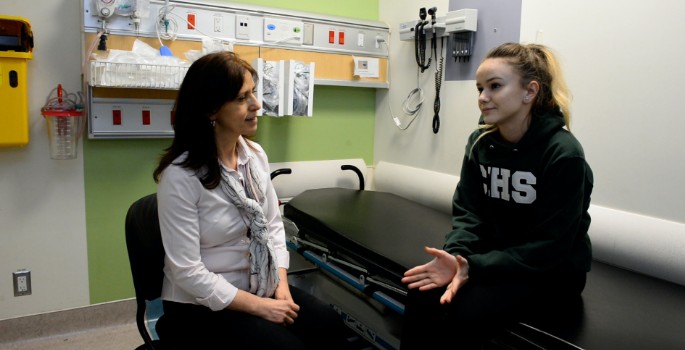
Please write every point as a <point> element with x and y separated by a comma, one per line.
<point>63,219</point>
<point>623,62</point>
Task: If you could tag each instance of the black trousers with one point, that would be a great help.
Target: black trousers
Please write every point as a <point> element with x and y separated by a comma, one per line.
<point>189,326</point>
<point>480,310</point>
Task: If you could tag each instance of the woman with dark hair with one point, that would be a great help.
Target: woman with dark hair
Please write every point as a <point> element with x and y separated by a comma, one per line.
<point>520,212</point>
<point>225,271</point>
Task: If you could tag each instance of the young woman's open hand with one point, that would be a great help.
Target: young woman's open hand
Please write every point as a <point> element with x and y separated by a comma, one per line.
<point>444,269</point>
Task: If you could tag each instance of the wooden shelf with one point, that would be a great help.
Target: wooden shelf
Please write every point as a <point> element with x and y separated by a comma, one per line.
<point>331,68</point>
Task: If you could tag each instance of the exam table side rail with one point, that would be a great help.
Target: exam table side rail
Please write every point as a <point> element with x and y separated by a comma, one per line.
<point>375,272</point>
<point>346,269</point>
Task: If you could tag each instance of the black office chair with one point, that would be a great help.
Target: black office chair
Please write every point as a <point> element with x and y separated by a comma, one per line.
<point>146,256</point>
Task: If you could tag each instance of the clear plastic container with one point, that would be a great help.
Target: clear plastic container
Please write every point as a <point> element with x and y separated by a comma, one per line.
<point>63,134</point>
<point>65,125</point>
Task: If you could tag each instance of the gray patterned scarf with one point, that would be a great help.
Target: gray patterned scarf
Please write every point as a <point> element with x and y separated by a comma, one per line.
<point>263,267</point>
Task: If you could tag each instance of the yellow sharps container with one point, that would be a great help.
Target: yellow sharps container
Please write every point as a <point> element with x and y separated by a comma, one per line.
<point>16,48</point>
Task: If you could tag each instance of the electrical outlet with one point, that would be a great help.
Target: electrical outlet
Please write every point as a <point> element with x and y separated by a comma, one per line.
<point>22,282</point>
<point>218,23</point>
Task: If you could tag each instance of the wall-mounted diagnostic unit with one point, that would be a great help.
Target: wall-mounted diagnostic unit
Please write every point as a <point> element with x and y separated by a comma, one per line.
<point>460,25</point>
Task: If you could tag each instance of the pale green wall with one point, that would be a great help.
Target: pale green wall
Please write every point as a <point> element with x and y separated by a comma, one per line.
<point>117,172</point>
<point>358,9</point>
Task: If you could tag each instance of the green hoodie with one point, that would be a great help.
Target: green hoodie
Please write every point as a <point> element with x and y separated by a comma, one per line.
<point>521,211</point>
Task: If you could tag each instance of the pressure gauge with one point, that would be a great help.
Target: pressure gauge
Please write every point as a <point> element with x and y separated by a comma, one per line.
<point>105,8</point>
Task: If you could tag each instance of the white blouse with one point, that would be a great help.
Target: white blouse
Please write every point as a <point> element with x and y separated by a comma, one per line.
<point>205,235</point>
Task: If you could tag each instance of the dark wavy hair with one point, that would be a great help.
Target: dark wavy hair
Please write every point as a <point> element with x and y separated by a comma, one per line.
<point>210,82</point>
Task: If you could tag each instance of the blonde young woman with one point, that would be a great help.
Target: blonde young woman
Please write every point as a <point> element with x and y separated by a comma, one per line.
<point>520,212</point>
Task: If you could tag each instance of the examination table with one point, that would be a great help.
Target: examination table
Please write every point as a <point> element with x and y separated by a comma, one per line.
<point>362,241</point>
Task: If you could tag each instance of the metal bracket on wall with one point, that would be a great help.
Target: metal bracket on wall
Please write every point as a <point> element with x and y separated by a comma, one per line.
<point>130,117</point>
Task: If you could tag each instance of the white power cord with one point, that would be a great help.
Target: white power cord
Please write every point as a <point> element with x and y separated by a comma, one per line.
<point>167,27</point>
<point>412,103</point>
<point>284,40</point>
<point>411,106</point>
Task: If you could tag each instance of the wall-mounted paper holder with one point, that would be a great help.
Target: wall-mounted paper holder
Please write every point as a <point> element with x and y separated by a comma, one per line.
<point>461,21</point>
<point>461,26</point>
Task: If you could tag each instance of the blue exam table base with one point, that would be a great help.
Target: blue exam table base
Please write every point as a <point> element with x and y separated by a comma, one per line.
<point>382,235</point>
<point>367,314</point>
<point>359,283</point>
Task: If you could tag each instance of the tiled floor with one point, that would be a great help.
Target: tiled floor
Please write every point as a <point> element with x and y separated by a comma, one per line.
<point>107,326</point>
<point>122,337</point>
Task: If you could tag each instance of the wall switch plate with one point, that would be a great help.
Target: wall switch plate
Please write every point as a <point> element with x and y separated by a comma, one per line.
<point>242,28</point>
<point>22,282</point>
<point>308,36</point>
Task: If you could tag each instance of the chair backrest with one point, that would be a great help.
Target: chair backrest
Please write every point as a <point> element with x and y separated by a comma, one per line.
<point>146,257</point>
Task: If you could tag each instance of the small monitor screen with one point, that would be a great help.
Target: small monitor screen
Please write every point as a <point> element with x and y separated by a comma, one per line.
<point>9,41</point>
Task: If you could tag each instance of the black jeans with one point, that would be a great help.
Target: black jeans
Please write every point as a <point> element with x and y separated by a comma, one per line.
<point>480,310</point>
<point>189,326</point>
